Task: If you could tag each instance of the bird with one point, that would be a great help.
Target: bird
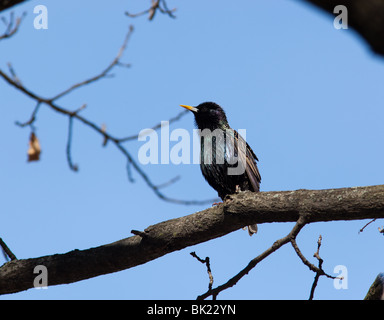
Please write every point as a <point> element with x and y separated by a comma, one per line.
<point>227,162</point>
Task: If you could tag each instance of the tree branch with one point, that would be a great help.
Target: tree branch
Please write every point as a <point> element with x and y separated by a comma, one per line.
<point>157,5</point>
<point>366,17</point>
<point>12,26</point>
<point>207,263</point>
<point>118,142</point>
<point>301,222</point>
<point>236,212</point>
<point>104,73</point>
<point>376,291</point>
<point>6,250</point>
<point>6,4</point>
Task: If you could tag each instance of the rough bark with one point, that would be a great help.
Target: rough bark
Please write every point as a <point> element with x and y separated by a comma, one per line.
<point>6,4</point>
<point>376,291</point>
<point>168,236</point>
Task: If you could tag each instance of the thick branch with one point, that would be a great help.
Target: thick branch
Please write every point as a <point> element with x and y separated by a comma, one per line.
<point>6,4</point>
<point>157,240</point>
<point>376,291</point>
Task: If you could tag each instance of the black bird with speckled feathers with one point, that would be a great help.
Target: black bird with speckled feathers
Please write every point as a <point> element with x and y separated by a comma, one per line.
<point>227,161</point>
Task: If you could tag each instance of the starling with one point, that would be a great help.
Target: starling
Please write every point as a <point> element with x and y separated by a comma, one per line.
<point>227,162</point>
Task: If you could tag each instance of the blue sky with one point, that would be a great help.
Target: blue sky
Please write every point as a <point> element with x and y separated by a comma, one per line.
<point>309,96</point>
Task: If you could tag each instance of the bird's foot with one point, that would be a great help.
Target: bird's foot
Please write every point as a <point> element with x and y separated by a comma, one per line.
<point>216,203</point>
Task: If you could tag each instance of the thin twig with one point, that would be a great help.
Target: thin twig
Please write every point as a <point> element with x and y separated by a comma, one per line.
<point>7,251</point>
<point>155,127</point>
<point>318,270</point>
<point>206,261</point>
<point>157,5</point>
<point>32,119</point>
<point>311,266</point>
<point>318,274</point>
<point>362,229</point>
<point>301,222</point>
<point>104,73</point>
<point>101,130</point>
<point>13,73</point>
<point>72,166</point>
<point>12,25</point>
<point>168,183</point>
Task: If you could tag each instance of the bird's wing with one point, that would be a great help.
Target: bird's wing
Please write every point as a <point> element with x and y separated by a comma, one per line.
<point>252,170</point>
<point>247,156</point>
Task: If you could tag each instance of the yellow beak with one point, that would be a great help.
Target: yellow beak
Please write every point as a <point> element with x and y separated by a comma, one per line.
<point>193,109</point>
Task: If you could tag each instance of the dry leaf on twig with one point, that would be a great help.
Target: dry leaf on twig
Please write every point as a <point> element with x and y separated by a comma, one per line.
<point>34,148</point>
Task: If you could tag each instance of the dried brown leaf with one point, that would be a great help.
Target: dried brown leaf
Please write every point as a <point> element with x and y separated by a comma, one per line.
<point>34,148</point>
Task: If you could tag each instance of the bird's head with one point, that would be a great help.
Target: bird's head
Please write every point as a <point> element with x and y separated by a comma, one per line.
<point>209,115</point>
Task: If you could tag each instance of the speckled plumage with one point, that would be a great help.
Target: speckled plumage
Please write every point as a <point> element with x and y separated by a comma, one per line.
<point>223,150</point>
